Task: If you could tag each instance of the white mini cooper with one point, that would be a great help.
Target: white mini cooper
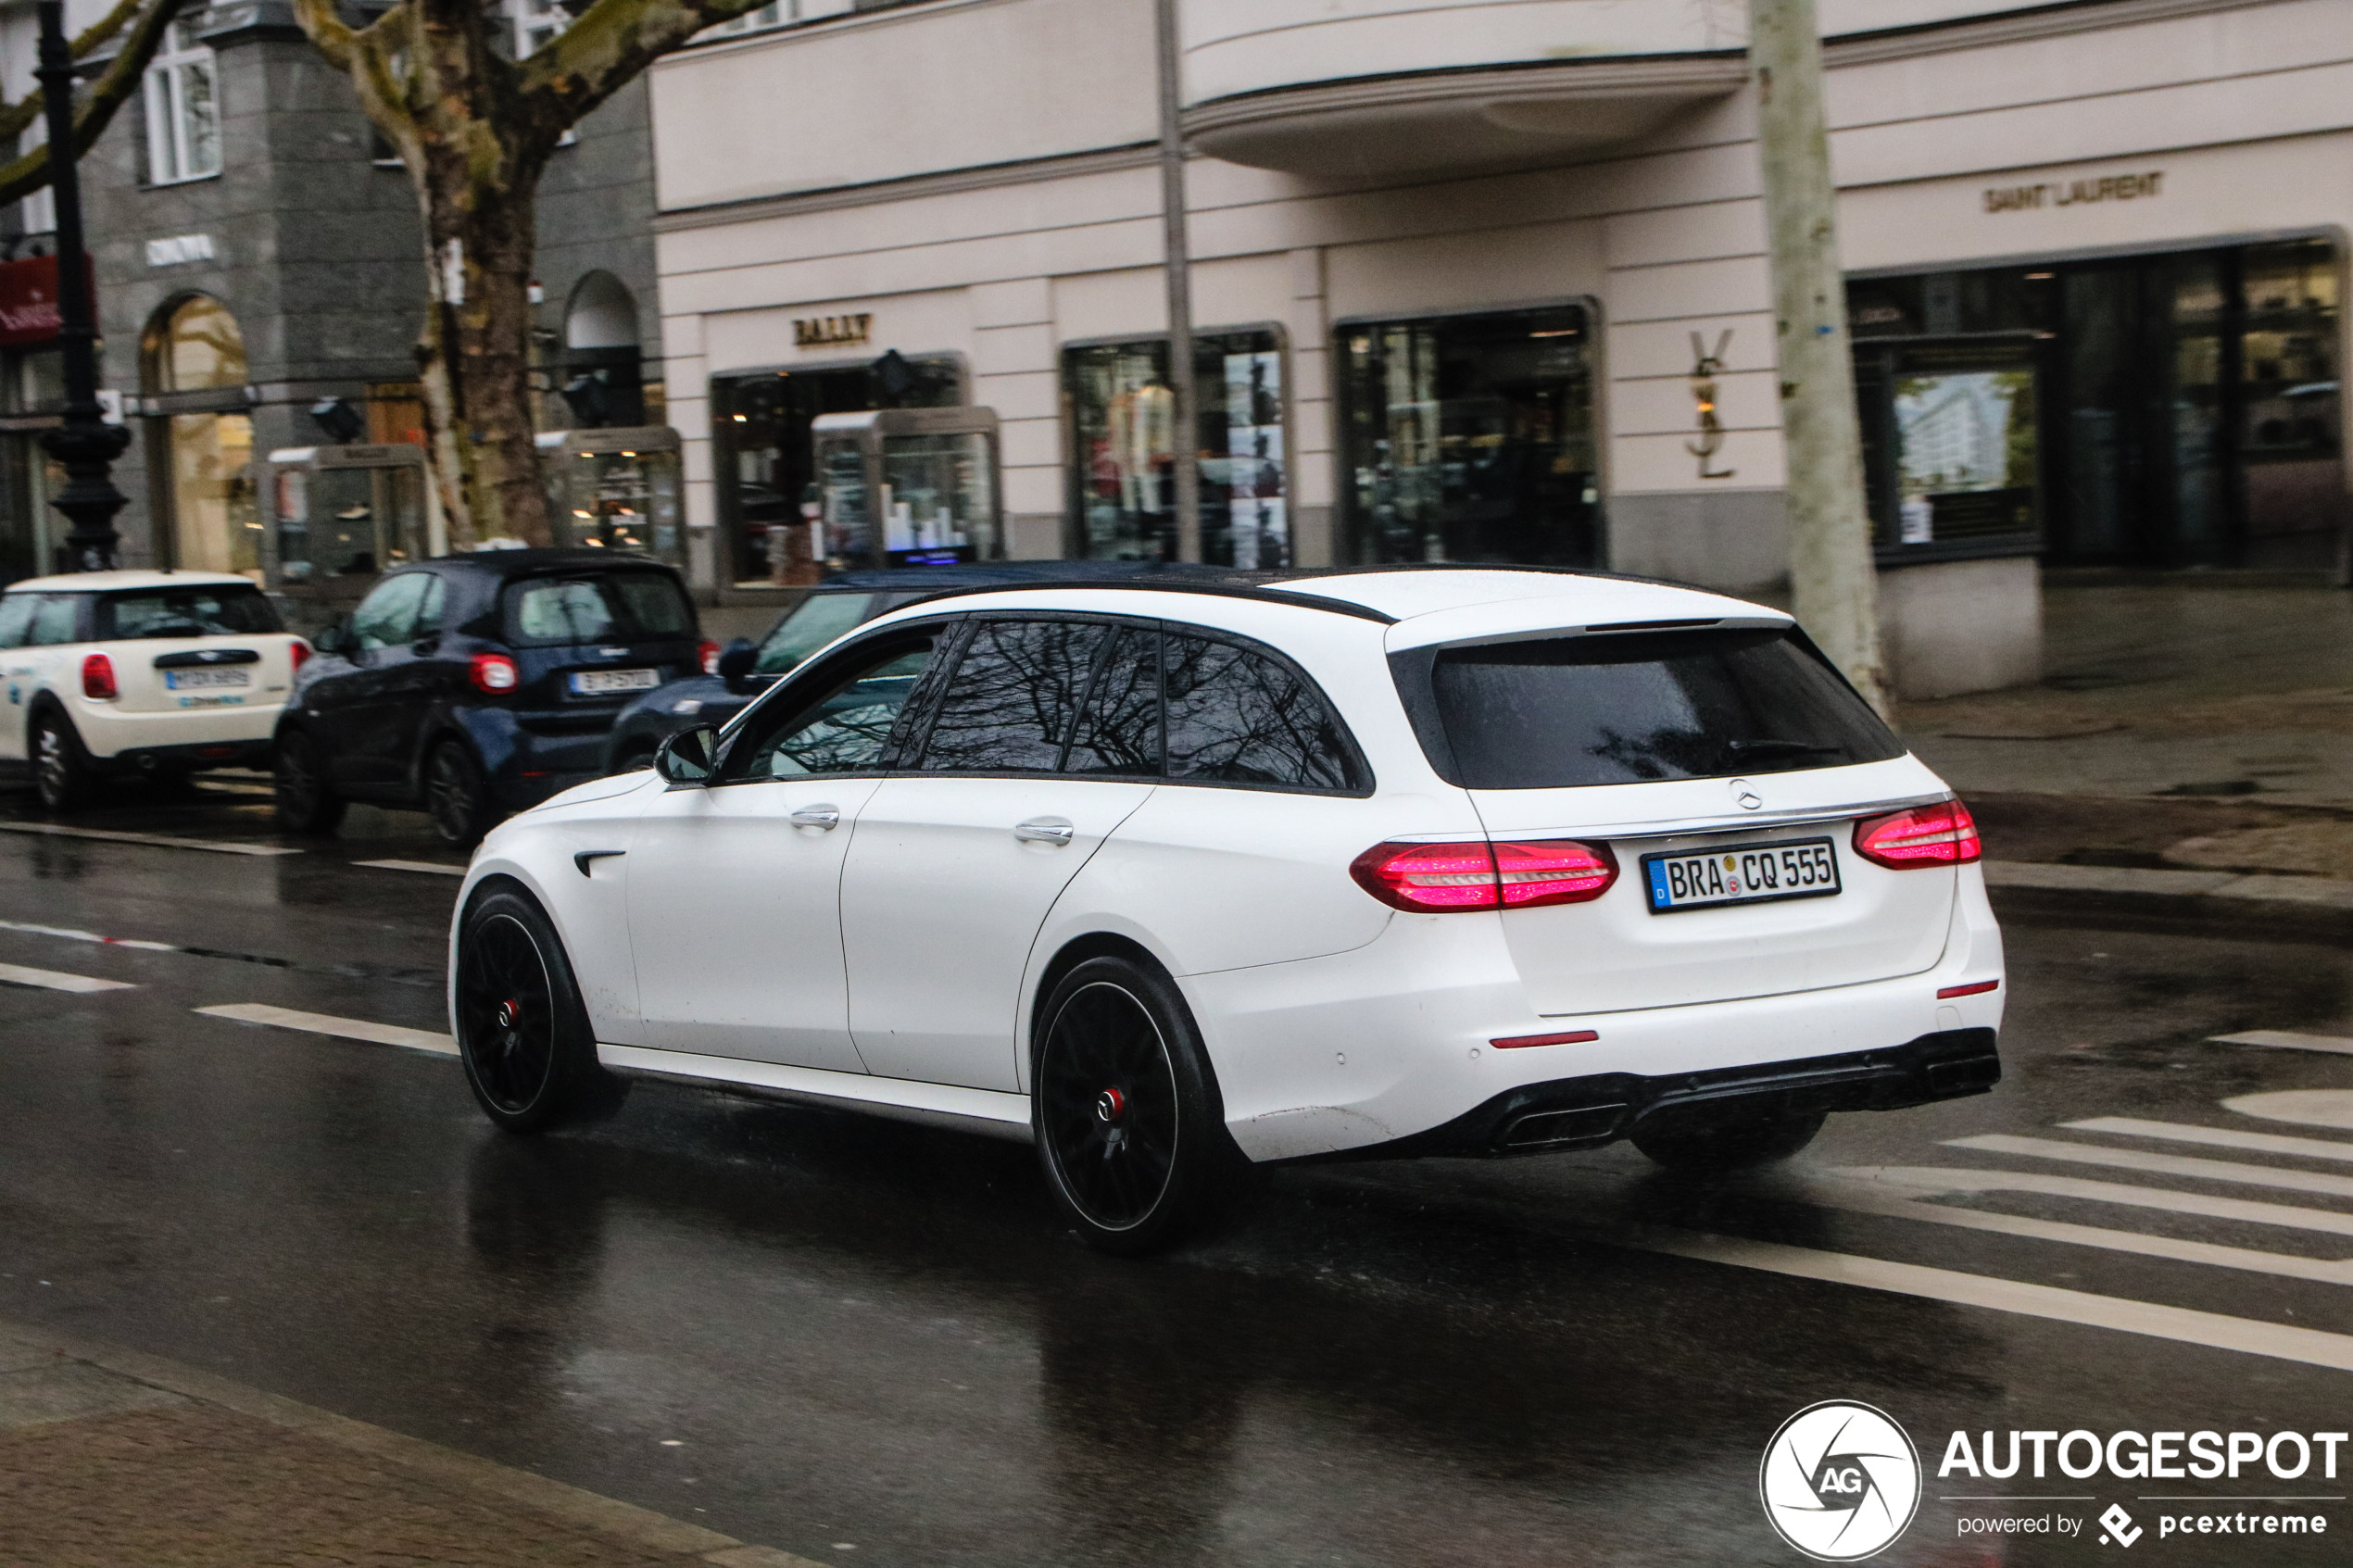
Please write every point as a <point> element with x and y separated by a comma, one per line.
<point>140,673</point>
<point>1172,881</point>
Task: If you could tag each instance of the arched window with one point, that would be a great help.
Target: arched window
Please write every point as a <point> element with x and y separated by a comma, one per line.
<point>601,381</point>
<point>195,347</point>
<point>601,314</point>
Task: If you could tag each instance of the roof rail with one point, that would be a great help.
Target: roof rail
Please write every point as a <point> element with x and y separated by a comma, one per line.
<point>1151,585</point>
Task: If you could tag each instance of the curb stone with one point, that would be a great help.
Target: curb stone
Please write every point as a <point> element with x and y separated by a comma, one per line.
<point>2249,903</point>
<point>29,1349</point>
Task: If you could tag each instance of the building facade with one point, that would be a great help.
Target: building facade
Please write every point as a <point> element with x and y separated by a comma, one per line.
<point>1485,281</point>
<point>256,245</point>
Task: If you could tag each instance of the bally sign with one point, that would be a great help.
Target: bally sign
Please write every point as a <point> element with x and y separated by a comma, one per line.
<point>29,302</point>
<point>827,330</point>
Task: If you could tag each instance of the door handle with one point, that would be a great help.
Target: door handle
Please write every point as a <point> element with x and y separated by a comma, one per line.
<point>825,819</point>
<point>1055,830</point>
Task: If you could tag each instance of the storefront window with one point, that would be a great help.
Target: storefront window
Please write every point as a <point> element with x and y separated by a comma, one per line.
<point>216,526</point>
<point>1124,417</point>
<point>759,436</point>
<point>2177,409</point>
<point>1470,438</point>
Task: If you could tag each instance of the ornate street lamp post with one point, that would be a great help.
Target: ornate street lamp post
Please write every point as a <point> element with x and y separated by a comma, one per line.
<point>84,444</point>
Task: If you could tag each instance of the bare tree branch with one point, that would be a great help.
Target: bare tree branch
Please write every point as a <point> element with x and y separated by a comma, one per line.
<point>327,30</point>
<point>97,110</point>
<point>607,46</point>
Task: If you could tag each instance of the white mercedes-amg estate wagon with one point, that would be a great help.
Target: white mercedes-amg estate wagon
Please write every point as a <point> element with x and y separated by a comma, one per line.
<point>1172,880</point>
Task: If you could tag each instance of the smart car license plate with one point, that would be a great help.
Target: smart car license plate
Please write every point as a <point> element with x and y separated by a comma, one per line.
<point>597,682</point>
<point>1740,873</point>
<point>187,679</point>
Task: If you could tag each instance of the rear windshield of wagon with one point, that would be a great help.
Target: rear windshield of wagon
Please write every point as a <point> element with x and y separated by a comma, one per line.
<point>1630,708</point>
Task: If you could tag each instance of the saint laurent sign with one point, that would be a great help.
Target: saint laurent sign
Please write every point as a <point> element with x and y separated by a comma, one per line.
<point>826,331</point>
<point>2073,193</point>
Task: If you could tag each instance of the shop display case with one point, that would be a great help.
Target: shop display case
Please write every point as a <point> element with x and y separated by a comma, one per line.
<point>336,517</point>
<point>903,487</point>
<point>617,490</point>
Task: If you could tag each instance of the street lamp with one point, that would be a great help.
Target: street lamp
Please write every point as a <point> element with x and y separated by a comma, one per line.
<point>85,445</point>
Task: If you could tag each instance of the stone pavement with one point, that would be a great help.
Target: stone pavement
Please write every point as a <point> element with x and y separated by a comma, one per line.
<point>2188,725</point>
<point>114,1460</point>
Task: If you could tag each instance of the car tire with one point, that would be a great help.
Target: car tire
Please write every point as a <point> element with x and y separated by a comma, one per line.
<point>62,775</point>
<point>1128,1123</point>
<point>306,802</point>
<point>1695,1145</point>
<point>457,795</point>
<point>524,1034</point>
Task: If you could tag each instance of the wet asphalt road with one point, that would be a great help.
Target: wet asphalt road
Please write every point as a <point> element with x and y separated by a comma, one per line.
<point>870,1343</point>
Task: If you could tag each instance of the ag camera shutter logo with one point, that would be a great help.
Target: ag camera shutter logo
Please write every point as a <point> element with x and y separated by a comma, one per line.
<point>1841,1481</point>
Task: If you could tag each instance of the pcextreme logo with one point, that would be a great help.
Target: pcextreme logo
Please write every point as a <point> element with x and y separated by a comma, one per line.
<point>1840,1481</point>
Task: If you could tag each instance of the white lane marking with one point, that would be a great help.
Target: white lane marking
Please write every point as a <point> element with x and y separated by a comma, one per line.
<point>343,1028</point>
<point>217,846</point>
<point>2310,1346</point>
<point>50,980</point>
<point>2161,1164</point>
<point>71,935</point>
<point>2218,1137</point>
<point>2326,1271</point>
<point>2287,1040</point>
<point>425,866</point>
<point>2311,1107</point>
<point>1925,1181</point>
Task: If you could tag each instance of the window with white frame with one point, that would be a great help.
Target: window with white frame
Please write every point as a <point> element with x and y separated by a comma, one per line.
<point>781,12</point>
<point>536,22</point>
<point>183,109</point>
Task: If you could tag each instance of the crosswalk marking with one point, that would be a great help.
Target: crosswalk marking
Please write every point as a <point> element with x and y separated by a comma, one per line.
<point>112,835</point>
<point>428,867</point>
<point>2326,1271</point>
<point>50,980</point>
<point>2310,1346</point>
<point>2161,1164</point>
<point>1938,1182</point>
<point>343,1028</point>
<point>2309,1108</point>
<point>71,935</point>
<point>2286,1040</point>
<point>2218,1137</point>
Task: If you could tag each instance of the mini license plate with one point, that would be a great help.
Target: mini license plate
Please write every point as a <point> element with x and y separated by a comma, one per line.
<point>188,680</point>
<point>596,683</point>
<point>1740,873</point>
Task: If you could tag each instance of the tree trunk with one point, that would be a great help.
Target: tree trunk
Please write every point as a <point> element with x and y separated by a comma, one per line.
<point>473,355</point>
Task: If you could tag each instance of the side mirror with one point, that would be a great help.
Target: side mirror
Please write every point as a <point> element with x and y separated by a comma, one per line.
<point>737,661</point>
<point>330,638</point>
<point>689,756</point>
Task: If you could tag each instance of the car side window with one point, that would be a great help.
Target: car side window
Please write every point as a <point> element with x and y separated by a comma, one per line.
<point>437,595</point>
<point>16,618</point>
<point>56,619</point>
<point>845,729</point>
<point>1118,733</point>
<point>388,615</point>
<point>1239,717</point>
<point>1008,707</point>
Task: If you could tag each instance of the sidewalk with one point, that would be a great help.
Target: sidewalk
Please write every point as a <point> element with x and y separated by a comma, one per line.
<point>2192,741</point>
<point>113,1459</point>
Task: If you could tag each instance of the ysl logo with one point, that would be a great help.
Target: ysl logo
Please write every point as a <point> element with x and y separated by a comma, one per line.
<point>1705,368</point>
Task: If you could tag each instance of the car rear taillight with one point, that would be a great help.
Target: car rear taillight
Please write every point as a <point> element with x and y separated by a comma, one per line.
<point>707,655</point>
<point>494,673</point>
<point>1429,878</point>
<point>97,679</point>
<point>1553,871</point>
<point>299,651</point>
<point>1942,834</point>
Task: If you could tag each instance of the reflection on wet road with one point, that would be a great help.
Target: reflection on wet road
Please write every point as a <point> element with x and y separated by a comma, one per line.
<point>865,1342</point>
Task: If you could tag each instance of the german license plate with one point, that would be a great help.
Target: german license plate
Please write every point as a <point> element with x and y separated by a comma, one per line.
<point>1740,873</point>
<point>188,680</point>
<point>597,682</point>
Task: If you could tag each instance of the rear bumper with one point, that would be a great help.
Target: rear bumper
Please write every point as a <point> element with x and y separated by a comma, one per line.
<point>1603,1107</point>
<point>140,759</point>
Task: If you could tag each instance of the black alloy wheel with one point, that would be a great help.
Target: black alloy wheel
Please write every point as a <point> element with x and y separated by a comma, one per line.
<point>1694,1144</point>
<point>457,795</point>
<point>61,772</point>
<point>306,802</point>
<point>1126,1112</point>
<point>529,1051</point>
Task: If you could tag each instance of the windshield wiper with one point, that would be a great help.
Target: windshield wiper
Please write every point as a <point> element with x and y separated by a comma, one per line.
<point>1778,748</point>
